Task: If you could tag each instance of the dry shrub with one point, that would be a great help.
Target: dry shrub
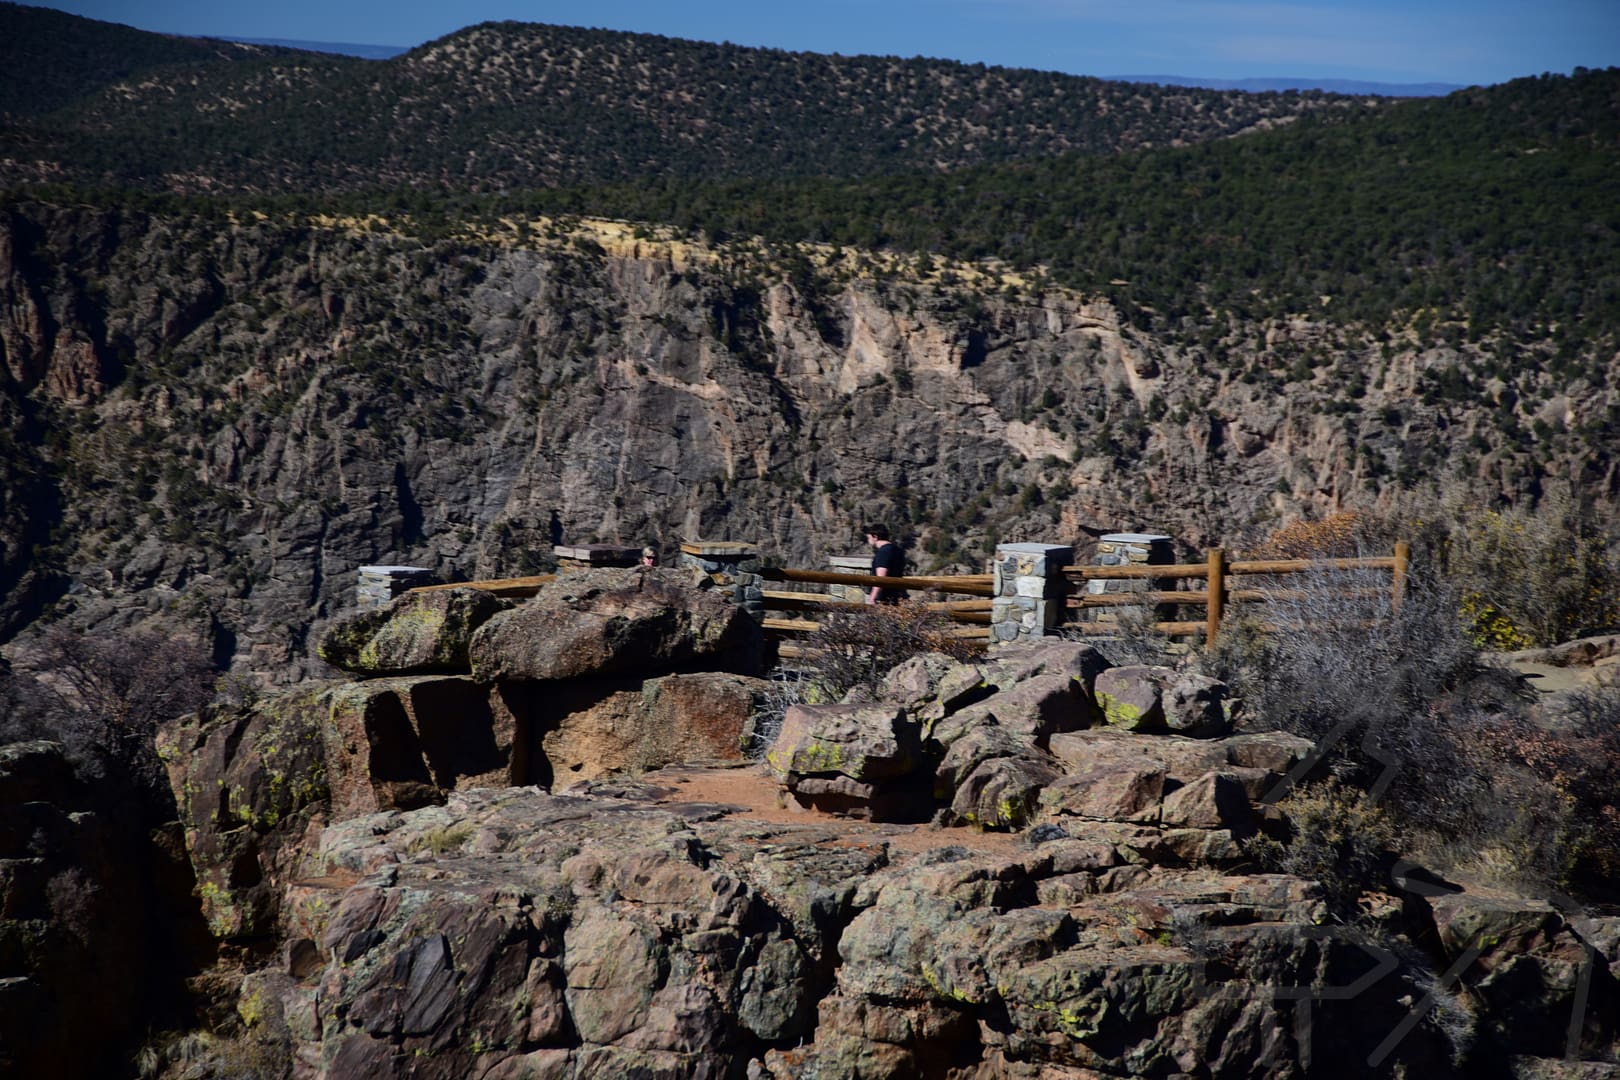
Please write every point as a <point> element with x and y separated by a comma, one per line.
<point>1341,535</point>
<point>786,686</point>
<point>203,1055</point>
<point>848,656</point>
<point>1575,756</point>
<point>1394,700</point>
<point>1338,837</point>
<point>103,696</point>
<point>1402,708</point>
<point>854,649</point>
<point>1131,636</point>
<point>1525,575</point>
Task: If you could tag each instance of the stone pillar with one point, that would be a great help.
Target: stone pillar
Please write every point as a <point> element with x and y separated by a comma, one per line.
<point>1128,549</point>
<point>1029,590</point>
<point>849,564</point>
<point>585,556</point>
<point>732,566</point>
<point>377,586</point>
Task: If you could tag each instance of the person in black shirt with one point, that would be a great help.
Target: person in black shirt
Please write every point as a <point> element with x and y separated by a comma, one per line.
<point>887,561</point>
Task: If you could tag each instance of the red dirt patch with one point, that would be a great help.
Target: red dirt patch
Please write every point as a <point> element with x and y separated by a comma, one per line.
<point>757,796</point>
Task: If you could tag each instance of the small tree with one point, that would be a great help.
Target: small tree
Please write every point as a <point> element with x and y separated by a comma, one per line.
<point>103,695</point>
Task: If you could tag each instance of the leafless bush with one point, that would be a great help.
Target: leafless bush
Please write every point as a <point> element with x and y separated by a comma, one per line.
<point>1334,651</point>
<point>104,695</point>
<point>1394,700</point>
<point>1129,637</point>
<point>787,686</point>
<point>854,650</point>
<point>1401,707</point>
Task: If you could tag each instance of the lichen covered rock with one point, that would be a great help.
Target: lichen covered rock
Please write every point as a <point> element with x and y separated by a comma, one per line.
<point>419,632</point>
<point>603,622</point>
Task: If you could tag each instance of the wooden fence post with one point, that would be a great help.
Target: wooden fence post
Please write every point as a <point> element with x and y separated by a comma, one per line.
<point>1217,594</point>
<point>1403,558</point>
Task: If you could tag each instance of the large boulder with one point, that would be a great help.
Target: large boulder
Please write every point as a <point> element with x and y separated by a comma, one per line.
<point>95,917</point>
<point>1108,789</point>
<point>250,783</point>
<point>595,728</point>
<point>863,742</point>
<point>419,632</point>
<point>860,760</point>
<point>1199,706</point>
<point>1003,792</point>
<point>253,783</point>
<point>520,934</point>
<point>602,622</point>
<point>1035,708</point>
<point>1147,698</point>
<point>1541,980</point>
<point>1074,964</point>
<point>1179,783</point>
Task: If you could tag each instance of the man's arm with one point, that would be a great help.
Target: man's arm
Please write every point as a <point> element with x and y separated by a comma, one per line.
<point>872,596</point>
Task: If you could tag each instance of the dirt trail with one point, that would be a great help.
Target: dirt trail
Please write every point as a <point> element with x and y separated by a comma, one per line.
<point>756,796</point>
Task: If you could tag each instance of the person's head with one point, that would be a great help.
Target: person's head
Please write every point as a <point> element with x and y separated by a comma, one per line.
<point>649,556</point>
<point>877,534</point>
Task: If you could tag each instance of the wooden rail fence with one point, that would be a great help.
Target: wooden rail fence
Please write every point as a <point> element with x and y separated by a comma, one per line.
<point>1217,593</point>
<point>973,613</point>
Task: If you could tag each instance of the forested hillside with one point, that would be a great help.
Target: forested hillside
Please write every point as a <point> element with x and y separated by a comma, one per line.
<point>49,58</point>
<point>505,106</point>
<point>1491,215</point>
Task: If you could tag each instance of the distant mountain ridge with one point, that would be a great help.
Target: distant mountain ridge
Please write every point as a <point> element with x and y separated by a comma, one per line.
<point>49,58</point>
<point>341,48</point>
<point>1300,82</point>
<point>1252,85</point>
<point>503,106</point>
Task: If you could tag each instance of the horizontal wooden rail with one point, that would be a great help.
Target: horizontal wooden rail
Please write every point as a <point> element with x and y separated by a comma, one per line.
<point>1138,599</point>
<point>967,584</point>
<point>810,626</point>
<point>802,601</point>
<point>516,586</point>
<point>1216,571</point>
<point>1200,597</point>
<point>1201,570</point>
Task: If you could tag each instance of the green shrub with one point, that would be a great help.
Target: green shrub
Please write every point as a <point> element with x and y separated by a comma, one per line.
<point>1338,837</point>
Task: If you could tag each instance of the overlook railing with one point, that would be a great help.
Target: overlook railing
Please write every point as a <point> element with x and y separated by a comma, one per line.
<point>1218,592</point>
<point>974,613</point>
<point>1029,571</point>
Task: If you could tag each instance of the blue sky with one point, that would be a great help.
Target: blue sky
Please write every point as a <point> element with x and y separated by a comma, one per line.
<point>1453,41</point>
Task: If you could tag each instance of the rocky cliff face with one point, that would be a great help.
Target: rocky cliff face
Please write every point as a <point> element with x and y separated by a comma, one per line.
<point>225,416</point>
<point>1101,918</point>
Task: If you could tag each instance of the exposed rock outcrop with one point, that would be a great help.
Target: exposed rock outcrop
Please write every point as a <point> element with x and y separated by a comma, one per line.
<point>416,910</point>
<point>256,784</point>
<point>419,632</point>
